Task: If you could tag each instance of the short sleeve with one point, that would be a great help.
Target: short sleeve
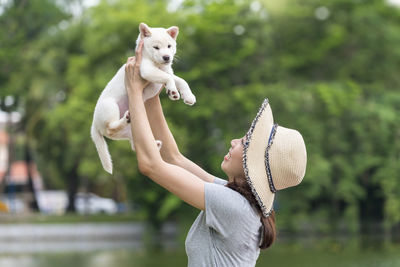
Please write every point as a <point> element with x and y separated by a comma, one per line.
<point>226,210</point>
<point>220,181</point>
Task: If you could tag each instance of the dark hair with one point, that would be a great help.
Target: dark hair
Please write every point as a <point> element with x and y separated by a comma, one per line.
<point>268,223</point>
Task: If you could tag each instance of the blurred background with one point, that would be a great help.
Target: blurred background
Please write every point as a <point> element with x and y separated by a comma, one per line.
<point>329,68</point>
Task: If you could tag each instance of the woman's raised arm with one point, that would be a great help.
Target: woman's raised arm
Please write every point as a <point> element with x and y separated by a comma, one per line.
<point>177,180</point>
<point>169,150</point>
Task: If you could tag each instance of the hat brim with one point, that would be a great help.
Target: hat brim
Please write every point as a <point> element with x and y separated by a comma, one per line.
<point>254,157</point>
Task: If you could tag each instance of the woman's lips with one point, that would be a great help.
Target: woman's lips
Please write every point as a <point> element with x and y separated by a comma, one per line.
<point>228,156</point>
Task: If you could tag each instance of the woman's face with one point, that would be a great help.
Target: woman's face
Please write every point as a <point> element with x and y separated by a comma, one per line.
<point>233,164</point>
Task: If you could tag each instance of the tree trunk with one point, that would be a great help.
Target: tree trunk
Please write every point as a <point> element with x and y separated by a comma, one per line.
<point>395,233</point>
<point>371,214</point>
<point>72,187</point>
<point>31,186</point>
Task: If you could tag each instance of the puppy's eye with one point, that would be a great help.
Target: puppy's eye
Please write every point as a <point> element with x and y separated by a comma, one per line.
<point>156,47</point>
<point>169,46</point>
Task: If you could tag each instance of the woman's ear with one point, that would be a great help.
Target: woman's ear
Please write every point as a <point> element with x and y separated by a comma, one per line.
<point>173,31</point>
<point>144,30</point>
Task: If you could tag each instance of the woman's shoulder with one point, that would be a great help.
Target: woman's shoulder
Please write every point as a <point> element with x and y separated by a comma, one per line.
<point>220,181</point>
<point>227,197</point>
<point>229,212</point>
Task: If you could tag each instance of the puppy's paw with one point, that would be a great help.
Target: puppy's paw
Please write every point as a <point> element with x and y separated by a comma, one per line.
<point>172,93</point>
<point>189,99</point>
<point>159,144</point>
<point>127,116</point>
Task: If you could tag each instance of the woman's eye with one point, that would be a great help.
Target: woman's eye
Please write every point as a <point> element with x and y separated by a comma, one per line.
<point>156,47</point>
<point>169,46</point>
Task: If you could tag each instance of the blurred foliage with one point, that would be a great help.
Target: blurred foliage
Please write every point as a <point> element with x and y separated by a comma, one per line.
<point>329,68</point>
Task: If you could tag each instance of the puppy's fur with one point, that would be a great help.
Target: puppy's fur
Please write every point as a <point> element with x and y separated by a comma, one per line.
<point>111,114</point>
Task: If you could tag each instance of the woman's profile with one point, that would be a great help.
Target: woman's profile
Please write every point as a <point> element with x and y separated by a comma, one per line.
<point>236,218</point>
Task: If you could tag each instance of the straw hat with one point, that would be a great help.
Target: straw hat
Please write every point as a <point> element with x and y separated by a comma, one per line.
<point>274,158</point>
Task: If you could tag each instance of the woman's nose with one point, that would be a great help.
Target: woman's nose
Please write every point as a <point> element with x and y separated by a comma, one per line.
<point>234,142</point>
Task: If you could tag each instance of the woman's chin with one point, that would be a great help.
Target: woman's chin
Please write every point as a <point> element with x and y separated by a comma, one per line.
<point>223,165</point>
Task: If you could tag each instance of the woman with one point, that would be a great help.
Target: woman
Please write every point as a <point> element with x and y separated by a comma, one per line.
<point>236,217</point>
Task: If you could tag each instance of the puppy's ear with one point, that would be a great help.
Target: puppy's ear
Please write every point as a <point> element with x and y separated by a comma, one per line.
<point>144,30</point>
<point>173,31</point>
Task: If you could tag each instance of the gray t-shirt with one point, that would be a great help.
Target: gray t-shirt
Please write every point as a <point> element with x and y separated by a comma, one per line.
<point>226,233</point>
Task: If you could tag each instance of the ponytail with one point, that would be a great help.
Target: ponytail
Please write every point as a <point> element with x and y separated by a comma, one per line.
<point>268,229</point>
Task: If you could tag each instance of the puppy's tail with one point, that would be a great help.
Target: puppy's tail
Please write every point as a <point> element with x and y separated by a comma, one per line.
<point>102,149</point>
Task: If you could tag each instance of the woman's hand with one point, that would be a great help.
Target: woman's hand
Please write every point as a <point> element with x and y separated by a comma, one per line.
<point>133,81</point>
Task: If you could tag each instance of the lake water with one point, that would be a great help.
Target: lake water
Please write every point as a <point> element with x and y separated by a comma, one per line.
<point>303,252</point>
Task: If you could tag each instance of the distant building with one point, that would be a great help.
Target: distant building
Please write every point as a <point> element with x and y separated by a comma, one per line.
<point>3,153</point>
<point>19,176</point>
<point>15,191</point>
<point>18,171</point>
<point>5,117</point>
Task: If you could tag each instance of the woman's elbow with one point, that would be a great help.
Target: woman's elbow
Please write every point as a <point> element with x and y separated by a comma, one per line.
<point>144,168</point>
<point>173,158</point>
<point>148,167</point>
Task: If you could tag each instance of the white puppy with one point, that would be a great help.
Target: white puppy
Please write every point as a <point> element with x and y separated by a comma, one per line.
<point>111,114</point>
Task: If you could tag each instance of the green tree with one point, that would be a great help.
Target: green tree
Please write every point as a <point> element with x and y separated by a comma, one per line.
<point>329,69</point>
<point>22,23</point>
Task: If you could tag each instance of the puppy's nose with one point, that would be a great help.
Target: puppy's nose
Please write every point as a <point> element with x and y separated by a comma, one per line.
<point>166,58</point>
